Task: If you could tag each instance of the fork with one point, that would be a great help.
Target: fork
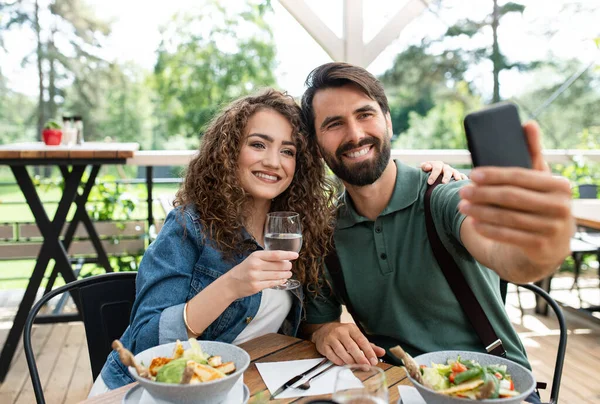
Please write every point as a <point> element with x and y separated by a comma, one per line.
<point>306,384</point>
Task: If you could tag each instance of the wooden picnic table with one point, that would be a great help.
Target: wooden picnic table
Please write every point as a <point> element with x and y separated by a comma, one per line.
<point>273,348</point>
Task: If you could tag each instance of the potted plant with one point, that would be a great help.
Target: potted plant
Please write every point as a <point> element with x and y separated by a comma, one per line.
<point>52,133</point>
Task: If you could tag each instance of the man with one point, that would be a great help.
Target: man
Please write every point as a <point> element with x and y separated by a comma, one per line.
<point>515,221</point>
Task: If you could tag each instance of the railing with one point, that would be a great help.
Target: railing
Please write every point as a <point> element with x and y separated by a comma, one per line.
<point>450,156</point>
<point>153,158</point>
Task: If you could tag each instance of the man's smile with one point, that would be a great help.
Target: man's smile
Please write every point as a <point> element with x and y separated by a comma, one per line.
<point>358,154</point>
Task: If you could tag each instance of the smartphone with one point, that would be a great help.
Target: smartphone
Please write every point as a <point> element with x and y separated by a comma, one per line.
<point>495,137</point>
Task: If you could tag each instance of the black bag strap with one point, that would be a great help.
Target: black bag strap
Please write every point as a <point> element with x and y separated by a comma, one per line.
<point>459,285</point>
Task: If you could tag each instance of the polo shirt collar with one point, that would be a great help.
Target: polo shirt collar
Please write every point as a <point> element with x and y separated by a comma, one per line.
<point>405,194</point>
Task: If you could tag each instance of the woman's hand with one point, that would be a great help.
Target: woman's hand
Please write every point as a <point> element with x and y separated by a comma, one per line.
<point>261,270</point>
<point>438,167</point>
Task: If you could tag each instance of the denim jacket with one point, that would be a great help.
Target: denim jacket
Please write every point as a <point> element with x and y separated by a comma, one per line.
<point>176,266</point>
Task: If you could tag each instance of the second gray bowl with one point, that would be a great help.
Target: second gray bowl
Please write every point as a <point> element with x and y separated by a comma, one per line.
<point>521,377</point>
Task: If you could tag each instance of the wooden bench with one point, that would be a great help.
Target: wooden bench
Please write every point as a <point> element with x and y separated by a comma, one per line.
<point>24,240</point>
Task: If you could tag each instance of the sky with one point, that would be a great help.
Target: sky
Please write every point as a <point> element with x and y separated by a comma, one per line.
<point>135,36</point>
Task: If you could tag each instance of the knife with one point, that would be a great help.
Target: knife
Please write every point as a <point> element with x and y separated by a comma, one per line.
<point>296,379</point>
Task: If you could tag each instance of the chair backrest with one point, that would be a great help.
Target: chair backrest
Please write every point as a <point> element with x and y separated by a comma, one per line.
<point>105,303</point>
<point>562,342</point>
<point>106,307</point>
<point>588,191</point>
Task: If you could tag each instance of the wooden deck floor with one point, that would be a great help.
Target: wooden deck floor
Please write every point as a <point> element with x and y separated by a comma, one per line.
<point>61,353</point>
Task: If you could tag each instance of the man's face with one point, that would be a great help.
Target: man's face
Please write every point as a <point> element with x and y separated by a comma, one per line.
<point>352,133</point>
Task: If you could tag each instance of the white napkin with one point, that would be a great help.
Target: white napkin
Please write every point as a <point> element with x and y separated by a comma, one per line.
<point>235,395</point>
<point>275,374</point>
<point>410,395</point>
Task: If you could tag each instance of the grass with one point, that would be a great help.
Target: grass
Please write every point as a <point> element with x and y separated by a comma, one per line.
<point>13,209</point>
<point>16,273</point>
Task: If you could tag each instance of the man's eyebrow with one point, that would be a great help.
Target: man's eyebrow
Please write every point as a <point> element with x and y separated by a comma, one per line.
<point>270,139</point>
<point>366,108</point>
<point>329,119</point>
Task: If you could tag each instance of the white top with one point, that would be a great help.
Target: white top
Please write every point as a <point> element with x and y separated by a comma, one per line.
<point>274,308</point>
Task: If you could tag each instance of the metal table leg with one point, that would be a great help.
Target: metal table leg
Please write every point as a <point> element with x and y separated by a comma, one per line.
<point>149,183</point>
<point>82,216</point>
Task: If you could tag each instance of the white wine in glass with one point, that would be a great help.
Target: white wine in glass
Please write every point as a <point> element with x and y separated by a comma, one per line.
<point>283,231</point>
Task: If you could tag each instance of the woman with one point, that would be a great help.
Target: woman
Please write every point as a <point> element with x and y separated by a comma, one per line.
<point>206,275</point>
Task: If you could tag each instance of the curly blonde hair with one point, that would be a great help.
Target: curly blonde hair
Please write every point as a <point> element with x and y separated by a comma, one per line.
<point>211,184</point>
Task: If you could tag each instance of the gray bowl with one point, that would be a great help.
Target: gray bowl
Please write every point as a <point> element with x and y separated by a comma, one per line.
<point>522,377</point>
<point>212,392</point>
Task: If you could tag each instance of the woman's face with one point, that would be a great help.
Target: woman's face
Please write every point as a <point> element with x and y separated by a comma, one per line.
<point>267,158</point>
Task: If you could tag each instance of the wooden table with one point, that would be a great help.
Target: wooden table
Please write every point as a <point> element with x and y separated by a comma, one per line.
<point>272,348</point>
<point>587,212</point>
<point>72,162</point>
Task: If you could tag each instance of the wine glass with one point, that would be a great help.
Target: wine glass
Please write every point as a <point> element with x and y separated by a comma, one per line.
<point>283,231</point>
<point>360,384</point>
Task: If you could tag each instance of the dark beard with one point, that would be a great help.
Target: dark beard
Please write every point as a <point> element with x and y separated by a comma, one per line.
<point>366,172</point>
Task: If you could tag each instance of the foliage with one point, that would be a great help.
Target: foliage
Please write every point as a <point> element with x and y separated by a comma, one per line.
<point>107,202</point>
<point>111,203</point>
<point>581,171</point>
<point>576,109</point>
<point>17,112</point>
<point>120,107</point>
<point>203,63</point>
<point>417,78</point>
<point>68,37</point>
<point>490,24</point>
<point>441,127</point>
<point>52,124</point>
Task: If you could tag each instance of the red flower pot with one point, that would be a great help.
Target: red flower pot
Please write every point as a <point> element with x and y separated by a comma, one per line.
<point>52,137</point>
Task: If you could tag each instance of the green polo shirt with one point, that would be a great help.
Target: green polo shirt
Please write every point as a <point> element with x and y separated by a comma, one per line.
<point>395,283</point>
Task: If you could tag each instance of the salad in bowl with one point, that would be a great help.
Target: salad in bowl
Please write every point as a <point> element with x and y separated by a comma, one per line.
<point>448,377</point>
<point>198,372</point>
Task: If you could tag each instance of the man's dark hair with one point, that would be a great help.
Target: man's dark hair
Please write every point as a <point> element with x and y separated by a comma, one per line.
<point>338,74</point>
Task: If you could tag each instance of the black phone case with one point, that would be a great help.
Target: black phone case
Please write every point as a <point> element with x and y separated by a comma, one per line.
<point>495,137</point>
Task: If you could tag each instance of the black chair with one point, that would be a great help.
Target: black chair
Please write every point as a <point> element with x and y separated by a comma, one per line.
<point>588,191</point>
<point>562,342</point>
<point>580,247</point>
<point>106,301</point>
<point>586,241</point>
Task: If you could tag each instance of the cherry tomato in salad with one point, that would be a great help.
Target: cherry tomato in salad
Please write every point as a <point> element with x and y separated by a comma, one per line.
<point>458,367</point>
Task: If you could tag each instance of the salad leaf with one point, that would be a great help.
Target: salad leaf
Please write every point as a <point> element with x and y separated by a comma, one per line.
<point>497,368</point>
<point>195,353</point>
<point>435,379</point>
<point>443,370</point>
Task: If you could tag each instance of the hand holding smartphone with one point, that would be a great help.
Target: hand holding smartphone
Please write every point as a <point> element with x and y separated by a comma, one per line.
<point>495,137</point>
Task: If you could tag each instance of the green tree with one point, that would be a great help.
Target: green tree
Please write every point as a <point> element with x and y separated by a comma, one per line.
<point>69,23</point>
<point>471,28</point>
<point>573,111</point>
<point>17,115</point>
<point>119,107</point>
<point>207,59</point>
<point>418,79</point>
<point>441,127</point>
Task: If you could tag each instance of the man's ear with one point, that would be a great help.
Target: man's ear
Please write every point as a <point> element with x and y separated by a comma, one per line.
<point>388,122</point>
